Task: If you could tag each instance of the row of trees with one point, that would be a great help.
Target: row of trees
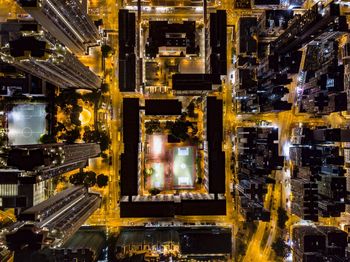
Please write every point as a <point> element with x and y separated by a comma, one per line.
<point>180,129</point>
<point>280,248</point>
<point>89,179</point>
<point>153,126</point>
<point>96,136</point>
<point>244,235</point>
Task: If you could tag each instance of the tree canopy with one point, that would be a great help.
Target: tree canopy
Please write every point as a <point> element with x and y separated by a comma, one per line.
<point>106,50</point>
<point>152,126</point>
<point>190,109</point>
<point>47,139</point>
<point>282,217</point>
<point>71,135</point>
<point>180,129</point>
<point>95,136</point>
<point>280,247</point>
<point>92,96</point>
<point>87,179</point>
<point>154,191</point>
<point>75,114</point>
<point>102,180</point>
<point>104,88</point>
<point>67,97</point>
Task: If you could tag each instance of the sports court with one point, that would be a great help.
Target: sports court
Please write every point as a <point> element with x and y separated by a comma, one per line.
<point>183,167</point>
<point>170,166</point>
<point>26,123</point>
<point>158,175</point>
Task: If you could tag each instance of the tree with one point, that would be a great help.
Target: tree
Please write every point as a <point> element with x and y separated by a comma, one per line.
<point>3,138</point>
<point>48,117</point>
<point>104,141</point>
<point>252,226</point>
<point>148,171</point>
<point>280,247</point>
<point>199,100</point>
<point>183,116</point>
<point>67,97</point>
<point>241,247</point>
<point>90,179</point>
<point>282,217</point>
<point>94,136</point>
<point>195,140</point>
<point>92,96</point>
<point>59,127</point>
<point>154,191</point>
<point>103,155</point>
<point>90,136</point>
<point>102,180</point>
<point>77,178</point>
<point>179,130</point>
<point>87,179</point>
<point>169,125</point>
<point>200,26</point>
<point>152,126</point>
<point>199,167</point>
<point>194,129</point>
<point>199,180</point>
<point>75,114</point>
<point>72,135</point>
<point>104,88</point>
<point>190,110</point>
<point>106,50</point>
<point>47,139</point>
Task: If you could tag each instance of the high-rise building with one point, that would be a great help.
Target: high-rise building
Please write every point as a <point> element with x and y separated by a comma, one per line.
<point>257,158</point>
<point>318,183</point>
<point>319,243</point>
<point>43,161</point>
<point>28,48</point>
<point>66,20</point>
<point>29,181</point>
<point>305,199</point>
<point>16,193</point>
<point>52,222</point>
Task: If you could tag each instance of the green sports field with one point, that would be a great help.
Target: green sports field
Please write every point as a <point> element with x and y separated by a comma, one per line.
<point>183,167</point>
<point>157,177</point>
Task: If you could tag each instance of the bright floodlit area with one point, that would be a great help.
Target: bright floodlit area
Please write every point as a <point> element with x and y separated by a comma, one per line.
<point>168,166</point>
<point>85,117</point>
<point>183,167</point>
<point>26,123</point>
